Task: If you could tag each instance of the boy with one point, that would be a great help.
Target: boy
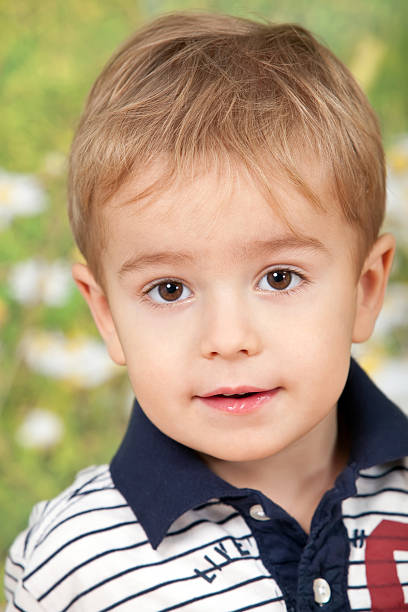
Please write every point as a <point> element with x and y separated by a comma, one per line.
<point>227,190</point>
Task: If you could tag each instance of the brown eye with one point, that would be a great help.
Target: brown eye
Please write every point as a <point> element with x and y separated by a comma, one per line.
<point>279,279</point>
<point>170,291</point>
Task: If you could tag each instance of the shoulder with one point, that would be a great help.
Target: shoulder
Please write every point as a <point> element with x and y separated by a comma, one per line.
<point>64,534</point>
<point>376,522</point>
<point>72,512</point>
<point>382,493</point>
<point>392,475</point>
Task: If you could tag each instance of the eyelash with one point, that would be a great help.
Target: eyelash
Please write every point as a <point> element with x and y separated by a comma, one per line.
<point>299,287</point>
<point>149,288</point>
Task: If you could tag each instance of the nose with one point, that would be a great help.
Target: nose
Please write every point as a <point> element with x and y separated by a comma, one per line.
<point>229,329</point>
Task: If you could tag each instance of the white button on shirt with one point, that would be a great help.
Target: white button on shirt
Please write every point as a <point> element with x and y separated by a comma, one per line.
<point>322,591</point>
<point>257,512</point>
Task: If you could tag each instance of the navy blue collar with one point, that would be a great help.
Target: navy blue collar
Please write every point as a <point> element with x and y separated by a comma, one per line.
<point>161,479</point>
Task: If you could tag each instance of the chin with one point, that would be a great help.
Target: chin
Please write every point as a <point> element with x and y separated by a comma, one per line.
<point>240,454</point>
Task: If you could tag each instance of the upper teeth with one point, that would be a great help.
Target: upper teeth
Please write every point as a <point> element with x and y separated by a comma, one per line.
<point>231,394</point>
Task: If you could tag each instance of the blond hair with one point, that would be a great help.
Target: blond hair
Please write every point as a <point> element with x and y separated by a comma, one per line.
<point>196,87</point>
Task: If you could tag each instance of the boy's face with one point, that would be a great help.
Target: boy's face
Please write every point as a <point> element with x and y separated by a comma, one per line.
<point>210,293</point>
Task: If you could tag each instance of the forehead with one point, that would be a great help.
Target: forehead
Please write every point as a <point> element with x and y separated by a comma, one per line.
<point>223,208</point>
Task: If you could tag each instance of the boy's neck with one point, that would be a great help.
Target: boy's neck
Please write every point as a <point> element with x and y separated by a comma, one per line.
<point>296,478</point>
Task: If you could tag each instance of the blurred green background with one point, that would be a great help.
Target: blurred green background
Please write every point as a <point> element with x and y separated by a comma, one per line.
<point>63,406</point>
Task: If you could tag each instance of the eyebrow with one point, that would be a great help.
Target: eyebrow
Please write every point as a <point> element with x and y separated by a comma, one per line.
<point>258,247</point>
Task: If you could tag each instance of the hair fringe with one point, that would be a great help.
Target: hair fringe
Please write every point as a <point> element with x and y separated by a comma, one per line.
<point>197,89</point>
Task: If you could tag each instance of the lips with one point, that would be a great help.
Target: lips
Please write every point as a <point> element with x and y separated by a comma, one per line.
<point>233,391</point>
<point>238,400</point>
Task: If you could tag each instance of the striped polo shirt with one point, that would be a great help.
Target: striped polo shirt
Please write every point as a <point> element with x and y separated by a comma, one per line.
<point>157,530</point>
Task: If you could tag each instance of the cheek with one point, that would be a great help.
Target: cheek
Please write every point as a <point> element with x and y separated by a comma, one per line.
<point>333,312</point>
<point>320,325</point>
<point>316,346</point>
<point>331,352</point>
<point>156,358</point>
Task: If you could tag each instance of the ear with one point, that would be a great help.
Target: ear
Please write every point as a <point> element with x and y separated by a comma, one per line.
<point>99,307</point>
<point>371,286</point>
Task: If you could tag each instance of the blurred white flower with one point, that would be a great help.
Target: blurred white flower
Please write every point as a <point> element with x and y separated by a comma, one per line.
<point>397,205</point>
<point>34,281</point>
<point>20,194</point>
<point>40,429</point>
<point>394,313</point>
<point>372,354</point>
<point>84,361</point>
<point>397,189</point>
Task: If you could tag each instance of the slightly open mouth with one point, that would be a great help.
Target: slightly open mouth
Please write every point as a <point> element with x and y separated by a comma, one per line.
<point>236,395</point>
<point>239,403</point>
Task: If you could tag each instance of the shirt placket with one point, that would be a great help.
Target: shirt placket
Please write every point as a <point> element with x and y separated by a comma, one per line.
<point>311,571</point>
